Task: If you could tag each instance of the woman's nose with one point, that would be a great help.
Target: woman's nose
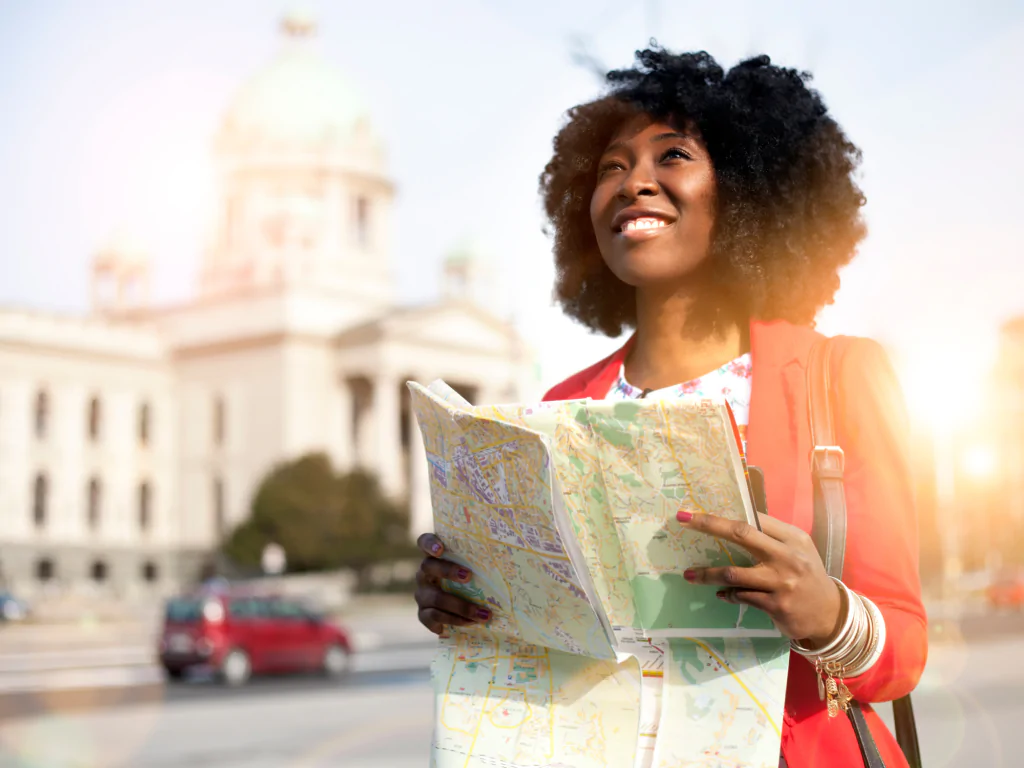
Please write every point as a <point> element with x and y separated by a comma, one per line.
<point>638,183</point>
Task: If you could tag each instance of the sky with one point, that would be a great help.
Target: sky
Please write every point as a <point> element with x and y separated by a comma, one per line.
<point>110,108</point>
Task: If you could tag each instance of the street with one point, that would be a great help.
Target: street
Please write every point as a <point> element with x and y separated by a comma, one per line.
<point>379,720</point>
<point>969,709</point>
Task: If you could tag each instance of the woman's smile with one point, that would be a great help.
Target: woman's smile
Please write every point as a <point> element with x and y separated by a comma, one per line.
<point>639,224</point>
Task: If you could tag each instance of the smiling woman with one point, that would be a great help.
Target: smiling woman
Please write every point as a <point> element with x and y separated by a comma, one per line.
<point>710,211</point>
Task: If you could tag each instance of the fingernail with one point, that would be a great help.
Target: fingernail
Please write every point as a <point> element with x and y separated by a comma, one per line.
<point>683,516</point>
<point>435,549</point>
<point>723,596</point>
<point>463,574</point>
<point>483,614</point>
<point>689,574</point>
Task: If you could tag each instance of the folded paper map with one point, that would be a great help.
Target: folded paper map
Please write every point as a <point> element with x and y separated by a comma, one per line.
<point>565,514</point>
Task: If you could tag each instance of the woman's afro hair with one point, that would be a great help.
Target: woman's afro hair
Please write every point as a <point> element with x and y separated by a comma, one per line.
<point>787,204</point>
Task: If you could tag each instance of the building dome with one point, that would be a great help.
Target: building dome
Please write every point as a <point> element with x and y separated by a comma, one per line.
<point>299,99</point>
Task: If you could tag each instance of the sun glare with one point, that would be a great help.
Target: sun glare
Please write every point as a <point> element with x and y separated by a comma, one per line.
<point>945,385</point>
<point>979,461</point>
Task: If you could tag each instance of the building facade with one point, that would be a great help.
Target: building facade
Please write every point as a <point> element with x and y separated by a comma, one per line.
<point>132,439</point>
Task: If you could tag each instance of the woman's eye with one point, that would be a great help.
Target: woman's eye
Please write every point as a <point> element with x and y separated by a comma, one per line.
<point>677,154</point>
<point>611,165</point>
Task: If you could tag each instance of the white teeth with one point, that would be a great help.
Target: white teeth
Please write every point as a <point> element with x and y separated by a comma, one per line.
<point>648,223</point>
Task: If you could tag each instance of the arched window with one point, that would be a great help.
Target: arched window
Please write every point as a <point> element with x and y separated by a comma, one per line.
<point>44,569</point>
<point>98,571</point>
<point>219,421</point>
<point>219,518</point>
<point>40,491</point>
<point>42,413</point>
<point>145,506</point>
<point>95,419</point>
<point>144,425</point>
<point>150,572</point>
<point>362,222</point>
<point>94,504</point>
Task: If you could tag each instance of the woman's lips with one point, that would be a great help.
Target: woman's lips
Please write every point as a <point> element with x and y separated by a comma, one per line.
<point>643,227</point>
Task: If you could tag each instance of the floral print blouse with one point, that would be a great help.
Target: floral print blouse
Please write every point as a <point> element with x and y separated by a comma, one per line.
<point>731,381</point>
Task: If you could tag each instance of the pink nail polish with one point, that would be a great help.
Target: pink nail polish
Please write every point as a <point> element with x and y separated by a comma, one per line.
<point>689,574</point>
<point>483,614</point>
<point>683,516</point>
<point>463,574</point>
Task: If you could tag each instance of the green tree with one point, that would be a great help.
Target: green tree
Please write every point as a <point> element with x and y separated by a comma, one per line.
<point>322,519</point>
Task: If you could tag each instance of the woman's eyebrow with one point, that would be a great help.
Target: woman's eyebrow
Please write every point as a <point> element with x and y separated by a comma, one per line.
<point>671,135</point>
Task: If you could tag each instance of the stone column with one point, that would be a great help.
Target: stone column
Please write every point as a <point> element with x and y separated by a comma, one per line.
<point>341,443</point>
<point>386,414</point>
<point>364,452</point>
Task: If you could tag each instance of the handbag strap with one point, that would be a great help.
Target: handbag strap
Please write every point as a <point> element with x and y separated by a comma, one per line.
<point>827,462</point>
<point>829,531</point>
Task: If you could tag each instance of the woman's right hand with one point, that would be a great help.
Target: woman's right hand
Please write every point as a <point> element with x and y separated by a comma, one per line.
<point>437,607</point>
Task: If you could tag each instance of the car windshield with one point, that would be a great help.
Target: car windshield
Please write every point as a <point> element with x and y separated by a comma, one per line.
<point>184,611</point>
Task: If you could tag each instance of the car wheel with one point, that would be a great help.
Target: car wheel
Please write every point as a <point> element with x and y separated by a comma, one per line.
<point>174,674</point>
<point>336,661</point>
<point>236,669</point>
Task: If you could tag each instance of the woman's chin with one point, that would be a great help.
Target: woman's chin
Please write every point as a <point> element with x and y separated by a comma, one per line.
<point>653,274</point>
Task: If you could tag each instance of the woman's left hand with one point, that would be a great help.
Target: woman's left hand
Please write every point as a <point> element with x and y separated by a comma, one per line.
<point>789,582</point>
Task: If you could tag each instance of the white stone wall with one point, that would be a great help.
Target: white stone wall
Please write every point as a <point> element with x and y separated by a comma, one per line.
<point>251,382</point>
<point>43,356</point>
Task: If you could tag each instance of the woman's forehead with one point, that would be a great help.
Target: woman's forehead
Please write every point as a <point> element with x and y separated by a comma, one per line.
<point>644,123</point>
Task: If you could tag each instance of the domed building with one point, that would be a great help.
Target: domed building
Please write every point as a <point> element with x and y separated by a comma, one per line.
<point>134,438</point>
<point>306,195</point>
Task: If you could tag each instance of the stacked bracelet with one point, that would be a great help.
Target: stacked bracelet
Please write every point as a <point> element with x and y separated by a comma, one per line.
<point>852,651</point>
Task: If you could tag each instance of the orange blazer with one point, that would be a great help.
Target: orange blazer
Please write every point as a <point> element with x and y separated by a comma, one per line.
<point>881,545</point>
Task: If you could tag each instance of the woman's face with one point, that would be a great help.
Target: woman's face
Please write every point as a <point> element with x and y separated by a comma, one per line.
<point>654,203</point>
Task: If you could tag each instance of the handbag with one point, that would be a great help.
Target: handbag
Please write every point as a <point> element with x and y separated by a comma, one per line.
<point>829,529</point>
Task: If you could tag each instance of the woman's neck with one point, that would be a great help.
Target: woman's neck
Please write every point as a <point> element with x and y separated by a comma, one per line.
<point>667,352</point>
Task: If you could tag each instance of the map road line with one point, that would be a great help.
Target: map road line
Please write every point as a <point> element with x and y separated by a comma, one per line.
<point>737,678</point>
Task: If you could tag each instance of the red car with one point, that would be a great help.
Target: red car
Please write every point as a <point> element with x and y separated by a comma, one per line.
<point>239,635</point>
<point>1007,591</point>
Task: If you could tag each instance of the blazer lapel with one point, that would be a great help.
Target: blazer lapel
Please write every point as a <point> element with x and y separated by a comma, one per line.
<point>606,374</point>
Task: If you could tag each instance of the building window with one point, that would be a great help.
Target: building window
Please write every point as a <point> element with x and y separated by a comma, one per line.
<point>219,425</point>
<point>145,506</point>
<point>45,570</point>
<point>362,222</point>
<point>219,518</point>
<point>95,419</point>
<point>40,491</point>
<point>144,426</point>
<point>98,571</point>
<point>42,415</point>
<point>95,501</point>
<point>150,572</point>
